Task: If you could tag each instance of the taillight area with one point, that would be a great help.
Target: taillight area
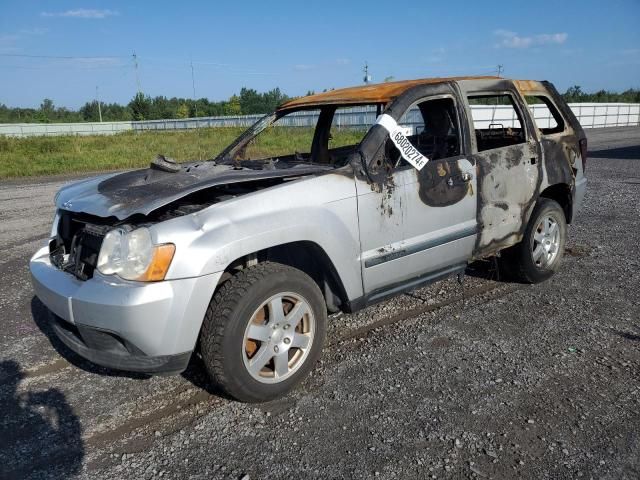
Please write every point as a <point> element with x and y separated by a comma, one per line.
<point>583,153</point>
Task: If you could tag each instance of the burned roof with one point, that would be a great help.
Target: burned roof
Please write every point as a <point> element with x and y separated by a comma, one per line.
<point>376,93</point>
<point>527,87</point>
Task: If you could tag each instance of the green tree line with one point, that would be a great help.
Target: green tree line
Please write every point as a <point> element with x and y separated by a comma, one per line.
<point>144,107</point>
<point>248,101</point>
<point>576,95</point>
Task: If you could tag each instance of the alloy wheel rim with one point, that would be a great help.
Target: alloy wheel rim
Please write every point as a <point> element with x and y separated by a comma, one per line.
<point>545,244</point>
<point>278,338</point>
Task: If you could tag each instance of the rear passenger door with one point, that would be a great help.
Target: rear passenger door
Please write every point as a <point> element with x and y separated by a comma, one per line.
<point>507,154</point>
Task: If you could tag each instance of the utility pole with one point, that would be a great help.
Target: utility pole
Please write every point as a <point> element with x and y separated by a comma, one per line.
<point>367,77</point>
<point>135,66</point>
<point>195,106</point>
<point>99,108</point>
<point>500,69</point>
<point>193,85</point>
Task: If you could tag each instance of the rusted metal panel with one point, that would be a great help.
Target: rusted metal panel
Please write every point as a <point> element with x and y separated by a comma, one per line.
<point>529,87</point>
<point>378,93</point>
<point>560,151</point>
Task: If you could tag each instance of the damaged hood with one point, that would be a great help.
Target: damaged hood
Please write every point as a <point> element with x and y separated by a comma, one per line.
<point>143,191</point>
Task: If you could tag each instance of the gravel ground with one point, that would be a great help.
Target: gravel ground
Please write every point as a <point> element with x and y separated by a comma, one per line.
<point>495,380</point>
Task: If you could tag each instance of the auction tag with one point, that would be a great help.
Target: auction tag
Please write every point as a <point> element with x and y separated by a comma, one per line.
<point>402,143</point>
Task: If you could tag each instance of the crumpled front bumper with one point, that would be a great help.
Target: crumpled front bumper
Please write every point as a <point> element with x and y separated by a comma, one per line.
<point>109,350</point>
<point>143,327</point>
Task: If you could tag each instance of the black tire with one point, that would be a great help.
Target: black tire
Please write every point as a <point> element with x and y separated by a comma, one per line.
<point>518,262</point>
<point>222,338</point>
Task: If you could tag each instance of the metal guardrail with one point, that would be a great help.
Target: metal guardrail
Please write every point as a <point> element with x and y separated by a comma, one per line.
<point>590,115</point>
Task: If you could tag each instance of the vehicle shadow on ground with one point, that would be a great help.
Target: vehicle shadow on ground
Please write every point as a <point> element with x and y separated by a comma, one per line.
<point>621,153</point>
<point>629,335</point>
<point>42,318</point>
<point>487,270</point>
<point>39,430</point>
<point>196,373</point>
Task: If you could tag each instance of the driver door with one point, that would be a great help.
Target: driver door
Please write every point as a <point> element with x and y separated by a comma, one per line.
<point>418,225</point>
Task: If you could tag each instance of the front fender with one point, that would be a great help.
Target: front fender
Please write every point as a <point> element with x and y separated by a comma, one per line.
<point>322,210</point>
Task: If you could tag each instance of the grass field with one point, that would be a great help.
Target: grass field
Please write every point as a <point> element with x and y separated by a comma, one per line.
<point>34,156</point>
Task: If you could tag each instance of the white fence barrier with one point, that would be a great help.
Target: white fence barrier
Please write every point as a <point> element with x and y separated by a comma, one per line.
<point>42,129</point>
<point>590,115</point>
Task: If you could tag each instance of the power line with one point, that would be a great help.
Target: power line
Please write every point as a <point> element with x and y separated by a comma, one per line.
<point>241,69</point>
<point>62,57</point>
<point>66,67</point>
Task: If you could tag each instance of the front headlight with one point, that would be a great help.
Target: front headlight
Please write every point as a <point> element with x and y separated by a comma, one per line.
<point>54,227</point>
<point>133,256</point>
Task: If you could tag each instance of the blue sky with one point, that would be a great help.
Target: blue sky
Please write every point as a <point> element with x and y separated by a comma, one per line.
<point>300,46</point>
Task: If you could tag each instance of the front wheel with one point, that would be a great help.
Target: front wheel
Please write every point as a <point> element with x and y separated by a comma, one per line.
<point>537,257</point>
<point>263,331</point>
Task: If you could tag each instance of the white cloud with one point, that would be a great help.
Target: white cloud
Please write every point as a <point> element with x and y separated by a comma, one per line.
<point>437,55</point>
<point>343,61</point>
<point>510,39</point>
<point>82,13</point>
<point>551,38</point>
<point>8,37</point>
<point>303,67</point>
<point>9,41</point>
<point>34,31</point>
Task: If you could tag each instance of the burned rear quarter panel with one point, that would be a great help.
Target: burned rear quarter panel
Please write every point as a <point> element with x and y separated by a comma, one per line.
<point>321,209</point>
<point>561,151</point>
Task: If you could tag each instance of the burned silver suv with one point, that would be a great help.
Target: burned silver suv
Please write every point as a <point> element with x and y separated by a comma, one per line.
<point>240,258</point>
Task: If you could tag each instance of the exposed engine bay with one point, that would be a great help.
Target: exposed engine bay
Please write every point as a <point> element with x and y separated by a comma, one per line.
<point>79,235</point>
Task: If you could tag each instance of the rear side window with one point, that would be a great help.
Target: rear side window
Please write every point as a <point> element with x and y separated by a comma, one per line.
<point>545,114</point>
<point>496,121</point>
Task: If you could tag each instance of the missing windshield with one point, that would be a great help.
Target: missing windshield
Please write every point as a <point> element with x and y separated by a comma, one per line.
<point>324,136</point>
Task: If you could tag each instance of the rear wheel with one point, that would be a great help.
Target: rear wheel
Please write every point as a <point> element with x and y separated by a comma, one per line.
<point>263,331</point>
<point>537,257</point>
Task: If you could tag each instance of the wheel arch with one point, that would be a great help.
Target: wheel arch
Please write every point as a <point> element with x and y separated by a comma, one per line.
<point>306,256</point>
<point>561,193</point>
